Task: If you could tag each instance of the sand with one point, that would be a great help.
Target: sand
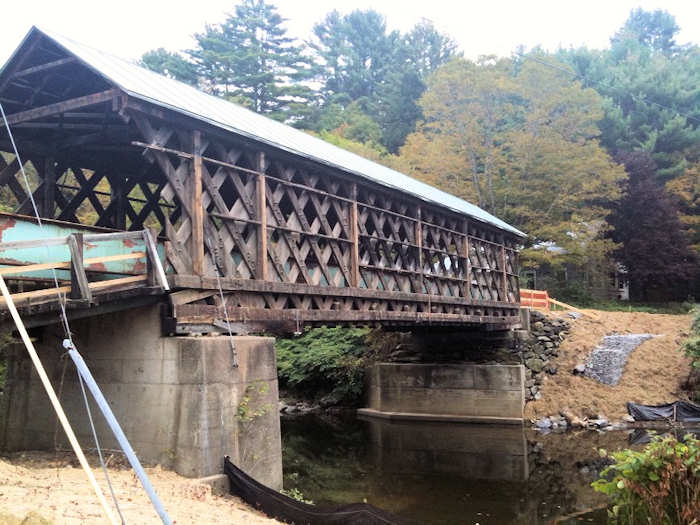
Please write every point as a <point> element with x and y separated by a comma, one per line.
<point>653,374</point>
<point>52,486</point>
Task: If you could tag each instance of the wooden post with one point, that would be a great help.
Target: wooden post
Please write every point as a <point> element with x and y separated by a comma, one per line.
<point>48,196</point>
<point>117,185</point>
<point>355,238</point>
<point>419,244</point>
<point>80,289</point>
<point>261,207</point>
<point>197,218</point>
<point>468,262</point>
<point>505,270</point>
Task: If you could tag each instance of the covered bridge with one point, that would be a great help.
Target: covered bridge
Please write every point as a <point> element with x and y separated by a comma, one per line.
<point>281,227</point>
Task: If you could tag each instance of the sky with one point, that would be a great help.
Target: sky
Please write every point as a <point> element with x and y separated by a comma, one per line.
<point>130,27</point>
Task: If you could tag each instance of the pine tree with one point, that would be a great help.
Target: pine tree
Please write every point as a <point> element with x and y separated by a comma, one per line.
<point>250,59</point>
<point>172,65</point>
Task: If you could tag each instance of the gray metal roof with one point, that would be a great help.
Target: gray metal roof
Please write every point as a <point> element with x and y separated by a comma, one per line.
<point>177,96</point>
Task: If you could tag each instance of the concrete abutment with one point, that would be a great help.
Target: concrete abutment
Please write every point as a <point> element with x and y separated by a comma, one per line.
<point>180,400</point>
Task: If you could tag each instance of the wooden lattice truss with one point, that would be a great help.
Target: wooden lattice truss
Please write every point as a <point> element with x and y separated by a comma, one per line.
<point>287,240</point>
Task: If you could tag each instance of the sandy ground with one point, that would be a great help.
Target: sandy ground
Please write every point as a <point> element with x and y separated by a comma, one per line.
<point>653,374</point>
<point>52,486</point>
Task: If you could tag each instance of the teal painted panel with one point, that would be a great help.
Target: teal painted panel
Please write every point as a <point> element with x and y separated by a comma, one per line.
<point>15,229</point>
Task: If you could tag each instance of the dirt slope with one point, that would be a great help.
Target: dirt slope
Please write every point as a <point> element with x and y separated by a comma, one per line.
<point>652,375</point>
<point>54,487</point>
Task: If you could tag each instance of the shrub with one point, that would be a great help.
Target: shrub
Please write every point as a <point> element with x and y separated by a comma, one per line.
<point>325,361</point>
<point>660,484</point>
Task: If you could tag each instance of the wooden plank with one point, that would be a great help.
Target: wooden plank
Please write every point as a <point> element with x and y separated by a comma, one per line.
<point>34,268</point>
<point>251,285</point>
<point>48,204</point>
<point>190,296</point>
<point>112,258</point>
<point>60,107</point>
<point>99,285</point>
<point>261,209</point>
<point>418,233</point>
<point>24,296</point>
<point>197,239</point>
<point>80,288</point>
<point>43,67</point>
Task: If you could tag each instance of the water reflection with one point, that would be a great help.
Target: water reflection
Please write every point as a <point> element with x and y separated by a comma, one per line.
<point>443,473</point>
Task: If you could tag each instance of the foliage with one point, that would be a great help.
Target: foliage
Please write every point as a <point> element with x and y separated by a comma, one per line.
<point>325,360</point>
<point>520,142</point>
<point>170,64</point>
<point>249,407</point>
<point>691,347</point>
<point>660,484</point>
<point>653,247</point>
<point>296,494</point>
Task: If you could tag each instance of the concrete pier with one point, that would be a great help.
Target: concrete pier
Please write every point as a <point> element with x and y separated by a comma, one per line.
<point>179,400</point>
<point>447,392</point>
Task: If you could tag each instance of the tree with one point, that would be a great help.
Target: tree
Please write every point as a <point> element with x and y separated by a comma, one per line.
<point>248,58</point>
<point>521,142</point>
<point>171,65</point>
<point>355,53</point>
<point>653,247</point>
<point>652,101</point>
<point>427,49</point>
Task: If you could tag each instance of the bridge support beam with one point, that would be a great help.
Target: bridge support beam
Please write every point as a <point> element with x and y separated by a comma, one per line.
<point>180,401</point>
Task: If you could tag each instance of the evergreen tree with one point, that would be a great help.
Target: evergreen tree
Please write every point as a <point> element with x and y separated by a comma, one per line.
<point>249,59</point>
<point>172,65</point>
<point>653,247</point>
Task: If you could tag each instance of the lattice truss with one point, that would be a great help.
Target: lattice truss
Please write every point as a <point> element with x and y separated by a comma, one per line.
<point>270,219</point>
<point>99,196</point>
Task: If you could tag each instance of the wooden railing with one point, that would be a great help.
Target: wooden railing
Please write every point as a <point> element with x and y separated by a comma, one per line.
<point>80,288</point>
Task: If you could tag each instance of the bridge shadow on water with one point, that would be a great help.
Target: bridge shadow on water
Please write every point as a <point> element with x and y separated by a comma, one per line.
<point>441,473</point>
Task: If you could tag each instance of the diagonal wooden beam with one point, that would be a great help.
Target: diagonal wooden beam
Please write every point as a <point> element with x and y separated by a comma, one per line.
<point>44,67</point>
<point>60,107</point>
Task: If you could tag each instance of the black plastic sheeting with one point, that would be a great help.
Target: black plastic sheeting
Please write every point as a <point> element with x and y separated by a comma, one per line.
<point>288,510</point>
<point>682,411</point>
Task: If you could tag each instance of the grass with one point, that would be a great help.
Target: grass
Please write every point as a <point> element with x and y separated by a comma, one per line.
<point>649,308</point>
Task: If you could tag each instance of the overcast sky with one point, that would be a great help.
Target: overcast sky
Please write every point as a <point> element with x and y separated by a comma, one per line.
<point>130,27</point>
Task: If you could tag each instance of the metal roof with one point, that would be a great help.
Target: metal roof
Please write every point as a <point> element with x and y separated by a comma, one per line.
<point>156,89</point>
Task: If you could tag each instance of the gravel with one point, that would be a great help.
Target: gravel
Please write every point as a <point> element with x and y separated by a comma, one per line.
<point>607,361</point>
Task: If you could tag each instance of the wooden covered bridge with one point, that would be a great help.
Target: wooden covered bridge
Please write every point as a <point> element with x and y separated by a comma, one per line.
<point>282,227</point>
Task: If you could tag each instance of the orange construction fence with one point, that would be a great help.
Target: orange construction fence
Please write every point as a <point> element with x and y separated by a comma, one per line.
<point>534,298</point>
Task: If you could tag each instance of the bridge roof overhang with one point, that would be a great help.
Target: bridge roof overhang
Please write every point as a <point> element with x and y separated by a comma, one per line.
<point>95,77</point>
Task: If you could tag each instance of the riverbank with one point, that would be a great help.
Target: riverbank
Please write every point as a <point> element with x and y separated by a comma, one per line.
<point>653,374</point>
<point>52,488</point>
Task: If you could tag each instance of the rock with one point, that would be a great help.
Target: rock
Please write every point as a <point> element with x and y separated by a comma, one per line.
<point>545,422</point>
<point>579,369</point>
<point>576,422</point>
<point>530,383</point>
<point>544,339</point>
<point>575,315</point>
<point>599,423</point>
<point>628,419</point>
<point>535,364</point>
<point>539,325</point>
<point>538,396</point>
<point>551,370</point>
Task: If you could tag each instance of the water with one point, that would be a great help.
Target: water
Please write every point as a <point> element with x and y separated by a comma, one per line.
<point>439,473</point>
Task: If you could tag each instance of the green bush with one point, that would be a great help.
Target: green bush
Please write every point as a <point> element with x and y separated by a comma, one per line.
<point>325,361</point>
<point>660,484</point>
<point>692,344</point>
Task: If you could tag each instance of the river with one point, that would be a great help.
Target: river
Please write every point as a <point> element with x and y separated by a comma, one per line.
<point>441,473</point>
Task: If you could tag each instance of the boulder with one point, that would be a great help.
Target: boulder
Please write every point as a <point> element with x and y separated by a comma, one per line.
<point>535,364</point>
<point>579,369</point>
